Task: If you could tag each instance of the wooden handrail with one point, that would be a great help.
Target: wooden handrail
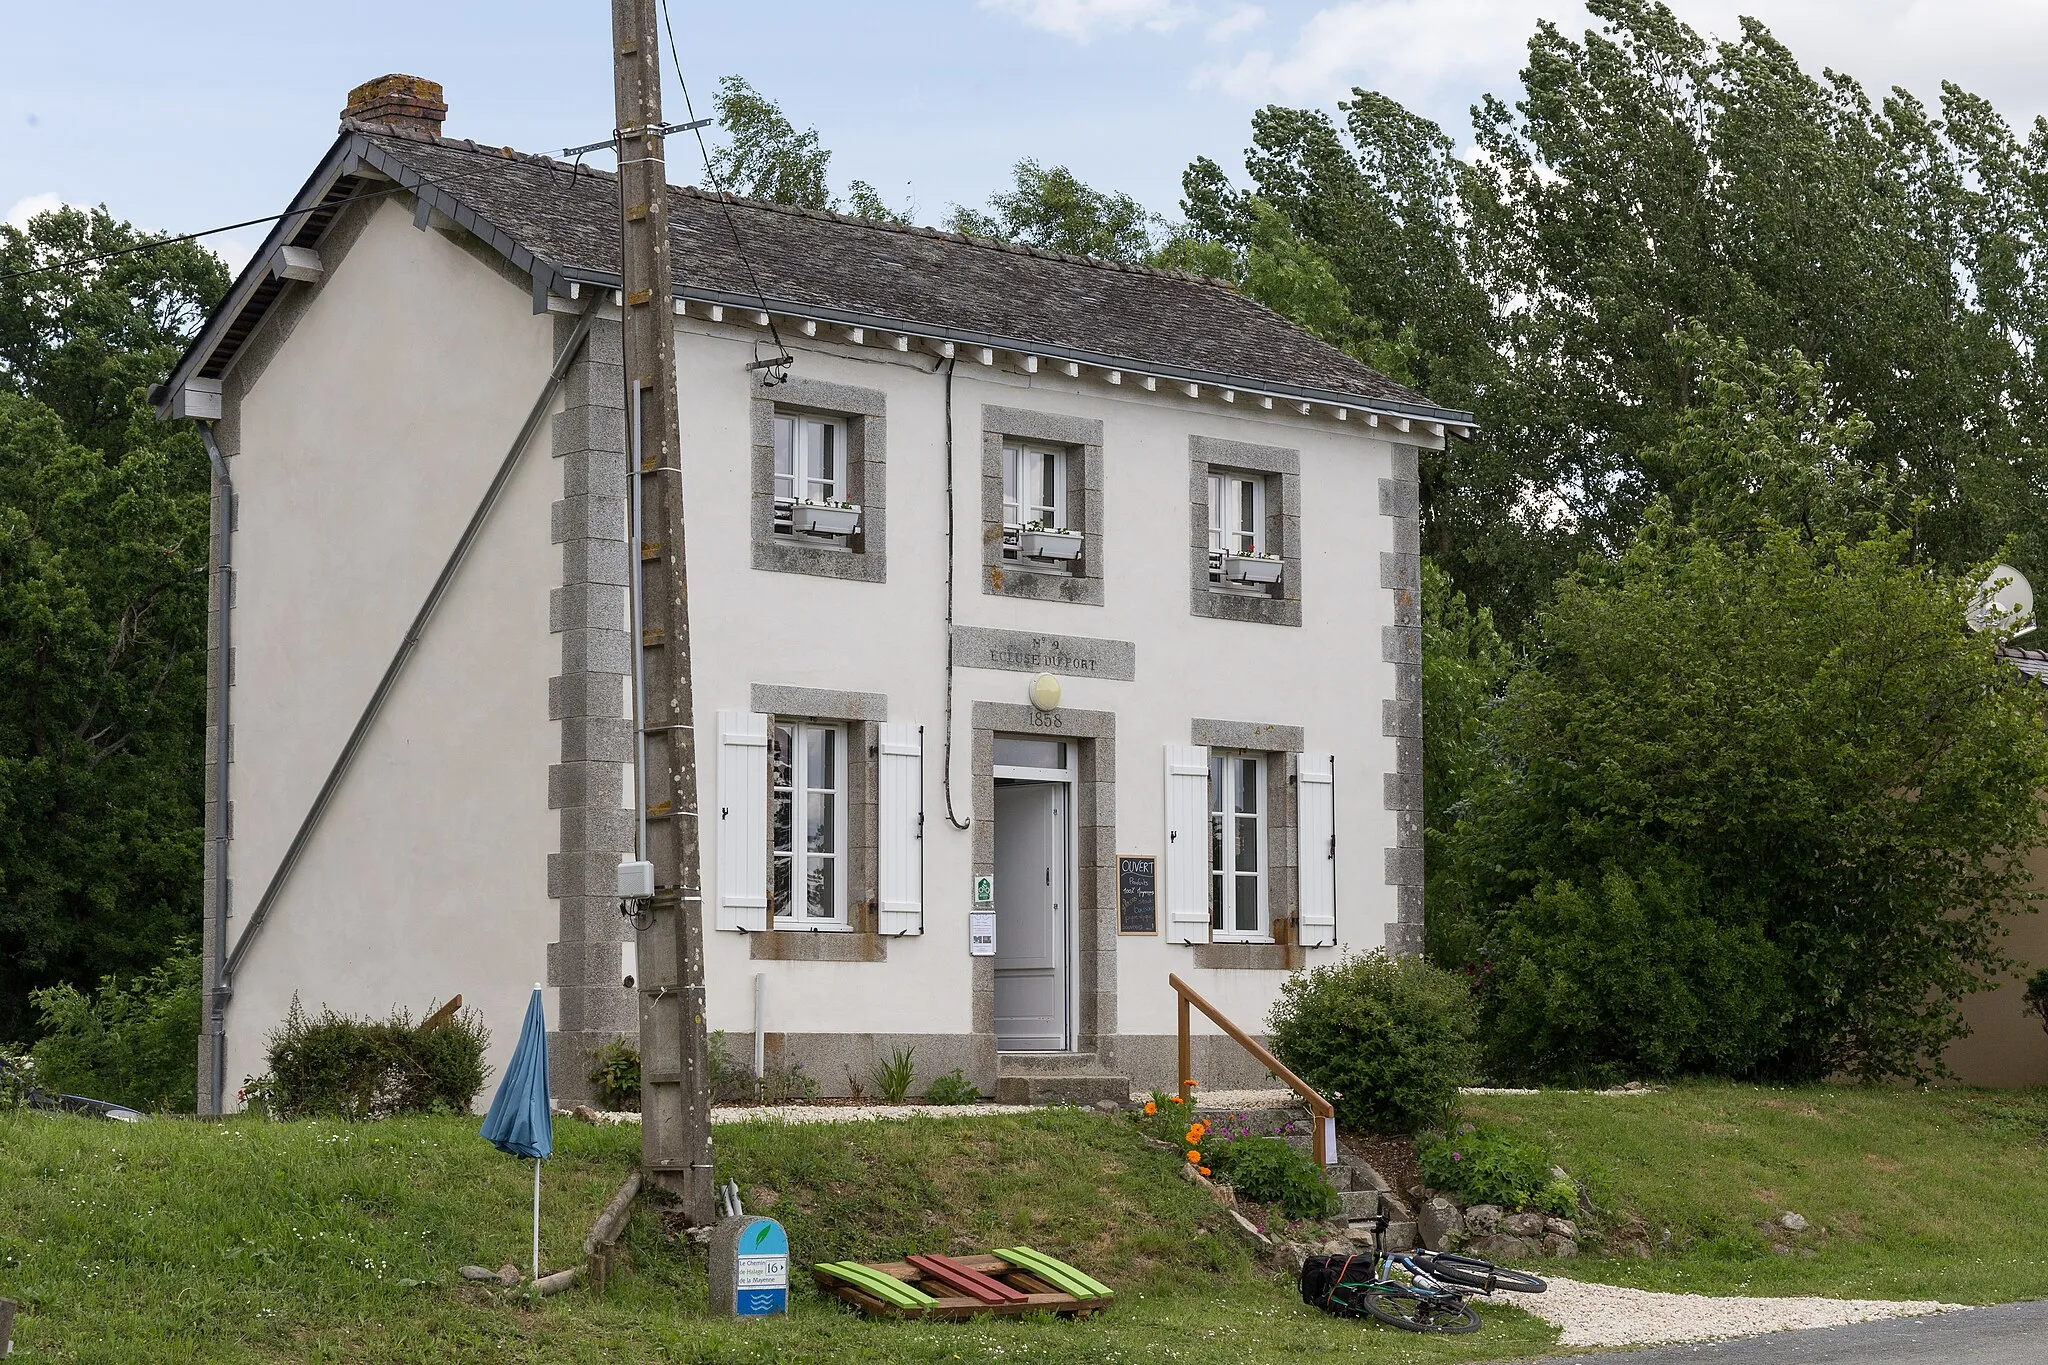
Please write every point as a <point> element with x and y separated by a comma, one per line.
<point>1325,1113</point>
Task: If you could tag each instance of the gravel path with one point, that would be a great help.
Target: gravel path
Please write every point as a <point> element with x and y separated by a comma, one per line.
<point>1608,1315</point>
<point>834,1113</point>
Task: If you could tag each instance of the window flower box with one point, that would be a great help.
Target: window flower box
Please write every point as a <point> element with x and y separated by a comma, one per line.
<point>1252,568</point>
<point>1038,543</point>
<point>827,518</point>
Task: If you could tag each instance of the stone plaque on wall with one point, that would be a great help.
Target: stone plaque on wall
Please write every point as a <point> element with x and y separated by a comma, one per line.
<point>1023,651</point>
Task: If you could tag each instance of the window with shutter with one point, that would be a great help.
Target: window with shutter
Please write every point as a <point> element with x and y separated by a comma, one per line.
<point>900,829</point>
<point>1316,804</point>
<point>1187,843</point>
<point>742,821</point>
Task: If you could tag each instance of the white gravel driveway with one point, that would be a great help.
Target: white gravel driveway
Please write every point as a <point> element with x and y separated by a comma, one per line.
<point>1608,1315</point>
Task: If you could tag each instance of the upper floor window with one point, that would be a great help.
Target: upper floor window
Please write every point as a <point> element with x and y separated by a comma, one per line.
<point>811,492</point>
<point>1237,846</point>
<point>807,827</point>
<point>1237,512</point>
<point>1036,521</point>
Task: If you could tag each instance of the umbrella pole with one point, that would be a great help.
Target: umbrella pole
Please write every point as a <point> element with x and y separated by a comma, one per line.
<point>536,1219</point>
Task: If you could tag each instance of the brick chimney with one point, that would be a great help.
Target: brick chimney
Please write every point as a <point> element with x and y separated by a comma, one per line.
<point>409,103</point>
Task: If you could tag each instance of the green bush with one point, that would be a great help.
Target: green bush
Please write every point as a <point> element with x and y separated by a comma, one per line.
<point>1485,1165</point>
<point>1637,975</point>
<point>732,1080</point>
<point>1387,1040</point>
<point>1266,1170</point>
<point>134,1042</point>
<point>2037,995</point>
<point>952,1088</point>
<point>339,1067</point>
<point>17,1077</point>
<point>615,1072</point>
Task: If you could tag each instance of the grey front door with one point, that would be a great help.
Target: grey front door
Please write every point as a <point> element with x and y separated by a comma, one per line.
<point>1031,917</point>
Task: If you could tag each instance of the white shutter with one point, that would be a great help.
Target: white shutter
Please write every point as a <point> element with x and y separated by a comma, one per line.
<point>742,821</point>
<point>900,829</point>
<point>1187,844</point>
<point>1316,803</point>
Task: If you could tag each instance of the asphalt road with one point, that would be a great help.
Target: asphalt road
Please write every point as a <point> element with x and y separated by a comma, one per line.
<point>2010,1334</point>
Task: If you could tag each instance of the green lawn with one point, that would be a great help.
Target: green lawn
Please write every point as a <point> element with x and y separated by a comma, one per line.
<point>253,1241</point>
<point>1924,1194</point>
<point>177,1240</point>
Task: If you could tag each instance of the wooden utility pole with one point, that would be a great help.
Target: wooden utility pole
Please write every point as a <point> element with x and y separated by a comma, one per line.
<point>675,1072</point>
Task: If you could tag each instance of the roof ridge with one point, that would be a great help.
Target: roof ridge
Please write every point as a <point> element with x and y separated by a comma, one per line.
<point>793,210</point>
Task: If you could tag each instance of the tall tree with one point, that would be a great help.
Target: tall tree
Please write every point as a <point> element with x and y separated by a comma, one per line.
<point>765,157</point>
<point>103,529</point>
<point>1054,210</point>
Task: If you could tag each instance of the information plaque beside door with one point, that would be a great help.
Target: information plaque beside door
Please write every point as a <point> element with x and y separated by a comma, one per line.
<point>1137,893</point>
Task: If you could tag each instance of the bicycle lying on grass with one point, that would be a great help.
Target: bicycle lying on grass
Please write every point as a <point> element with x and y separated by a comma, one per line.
<point>1416,1291</point>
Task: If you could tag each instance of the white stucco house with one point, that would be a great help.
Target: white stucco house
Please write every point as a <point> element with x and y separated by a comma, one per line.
<point>1033,568</point>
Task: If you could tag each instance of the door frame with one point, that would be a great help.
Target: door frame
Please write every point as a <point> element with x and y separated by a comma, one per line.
<point>1070,920</point>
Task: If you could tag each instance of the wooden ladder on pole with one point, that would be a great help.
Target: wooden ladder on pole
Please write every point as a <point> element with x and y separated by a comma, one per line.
<point>1325,1138</point>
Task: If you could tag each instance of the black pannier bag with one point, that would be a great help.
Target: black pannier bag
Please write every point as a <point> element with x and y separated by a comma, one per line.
<point>1337,1284</point>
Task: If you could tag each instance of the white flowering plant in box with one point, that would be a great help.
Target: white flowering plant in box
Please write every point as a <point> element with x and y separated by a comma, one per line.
<point>826,517</point>
<point>1250,566</point>
<point>1039,541</point>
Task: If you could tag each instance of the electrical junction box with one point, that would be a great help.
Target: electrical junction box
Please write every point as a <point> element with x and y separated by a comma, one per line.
<point>636,881</point>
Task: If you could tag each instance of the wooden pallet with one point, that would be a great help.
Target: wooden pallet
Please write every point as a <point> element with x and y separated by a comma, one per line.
<point>961,1287</point>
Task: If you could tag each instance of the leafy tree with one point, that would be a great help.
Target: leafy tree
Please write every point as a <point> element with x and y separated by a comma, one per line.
<point>765,157</point>
<point>1053,210</point>
<point>103,552</point>
<point>130,1041</point>
<point>1464,664</point>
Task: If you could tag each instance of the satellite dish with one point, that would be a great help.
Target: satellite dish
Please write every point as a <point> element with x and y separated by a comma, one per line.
<point>2005,598</point>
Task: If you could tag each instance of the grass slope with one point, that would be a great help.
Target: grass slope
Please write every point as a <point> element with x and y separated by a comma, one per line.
<point>1924,1194</point>
<point>252,1241</point>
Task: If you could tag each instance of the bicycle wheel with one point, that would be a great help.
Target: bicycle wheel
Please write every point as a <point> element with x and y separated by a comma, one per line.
<point>1469,1272</point>
<point>1414,1312</point>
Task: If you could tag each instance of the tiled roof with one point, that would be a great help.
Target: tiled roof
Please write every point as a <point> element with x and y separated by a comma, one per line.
<point>919,277</point>
<point>560,222</point>
<point>2032,662</point>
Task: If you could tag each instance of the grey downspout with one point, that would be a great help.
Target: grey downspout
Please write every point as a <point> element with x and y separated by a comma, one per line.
<point>224,571</point>
<point>946,760</point>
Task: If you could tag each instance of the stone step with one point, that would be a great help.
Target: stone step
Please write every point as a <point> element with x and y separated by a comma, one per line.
<point>1050,1064</point>
<point>1359,1203</point>
<point>1039,1088</point>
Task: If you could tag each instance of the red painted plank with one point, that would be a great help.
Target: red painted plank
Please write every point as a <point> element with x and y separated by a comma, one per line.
<point>968,1280</point>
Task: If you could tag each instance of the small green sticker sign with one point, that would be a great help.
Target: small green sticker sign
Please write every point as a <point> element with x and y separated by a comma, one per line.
<point>984,890</point>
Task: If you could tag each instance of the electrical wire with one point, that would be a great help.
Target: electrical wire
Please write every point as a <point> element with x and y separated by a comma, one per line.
<point>173,241</point>
<point>703,150</point>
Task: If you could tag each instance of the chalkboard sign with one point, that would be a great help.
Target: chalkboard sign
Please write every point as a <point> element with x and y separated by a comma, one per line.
<point>1137,898</point>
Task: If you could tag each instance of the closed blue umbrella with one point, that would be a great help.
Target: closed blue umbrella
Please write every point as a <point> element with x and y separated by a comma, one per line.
<point>521,1122</point>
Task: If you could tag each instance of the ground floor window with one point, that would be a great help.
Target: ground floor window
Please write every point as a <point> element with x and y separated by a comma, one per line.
<point>1237,845</point>
<point>807,831</point>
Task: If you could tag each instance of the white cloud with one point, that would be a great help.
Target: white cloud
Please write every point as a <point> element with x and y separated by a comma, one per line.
<point>1082,20</point>
<point>1242,19</point>
<point>25,209</point>
<point>1440,55</point>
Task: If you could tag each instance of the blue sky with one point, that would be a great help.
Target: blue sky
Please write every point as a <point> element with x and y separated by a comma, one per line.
<point>185,117</point>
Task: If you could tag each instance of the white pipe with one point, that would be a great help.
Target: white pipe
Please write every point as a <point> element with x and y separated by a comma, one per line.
<point>639,642</point>
<point>536,1219</point>
<point>760,1020</point>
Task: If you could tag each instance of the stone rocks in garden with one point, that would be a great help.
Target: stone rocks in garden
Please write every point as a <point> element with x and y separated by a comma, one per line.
<point>1400,1236</point>
<point>1108,1106</point>
<point>1483,1220</point>
<point>1440,1225</point>
<point>1288,1257</point>
<point>1780,1249</point>
<point>508,1275</point>
<point>1523,1224</point>
<point>1792,1222</point>
<point>1562,1248</point>
<point>1502,1249</point>
<point>477,1273</point>
<point>1249,1228</point>
<point>1561,1227</point>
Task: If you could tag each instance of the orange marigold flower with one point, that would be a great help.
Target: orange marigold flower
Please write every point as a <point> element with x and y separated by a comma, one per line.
<point>1150,1107</point>
<point>1174,1098</point>
<point>1195,1157</point>
<point>1203,1169</point>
